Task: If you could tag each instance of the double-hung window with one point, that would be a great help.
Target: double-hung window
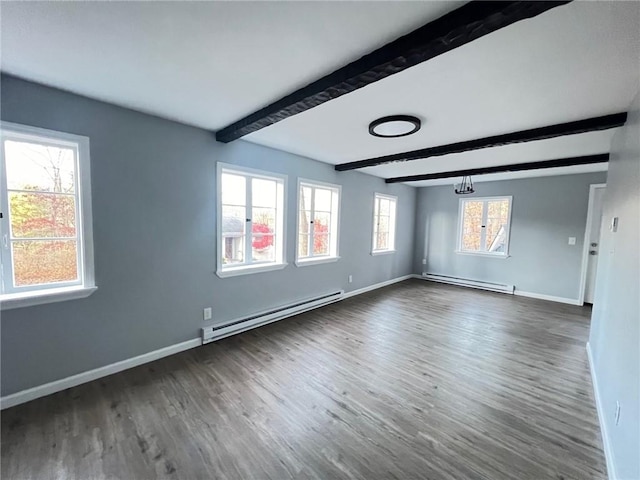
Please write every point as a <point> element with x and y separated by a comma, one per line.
<point>484,226</point>
<point>384,224</point>
<point>250,220</point>
<point>318,220</point>
<point>47,242</point>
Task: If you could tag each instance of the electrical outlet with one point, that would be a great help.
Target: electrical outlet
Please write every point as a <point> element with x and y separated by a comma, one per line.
<point>424,261</point>
<point>207,313</point>
<point>350,278</point>
<point>617,412</point>
<point>572,240</point>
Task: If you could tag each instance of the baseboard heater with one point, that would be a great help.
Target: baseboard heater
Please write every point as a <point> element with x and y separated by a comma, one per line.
<point>465,282</point>
<point>216,332</point>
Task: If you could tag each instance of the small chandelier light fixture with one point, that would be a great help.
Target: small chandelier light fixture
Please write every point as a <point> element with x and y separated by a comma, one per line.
<point>465,187</point>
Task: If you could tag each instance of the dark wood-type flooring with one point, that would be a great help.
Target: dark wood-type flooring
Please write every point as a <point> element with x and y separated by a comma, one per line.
<point>416,380</point>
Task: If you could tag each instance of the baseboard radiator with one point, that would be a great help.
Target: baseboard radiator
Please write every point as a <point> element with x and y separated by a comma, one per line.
<point>216,332</point>
<point>465,282</point>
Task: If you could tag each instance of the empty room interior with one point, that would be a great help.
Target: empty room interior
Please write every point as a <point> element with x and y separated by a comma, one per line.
<point>320,240</point>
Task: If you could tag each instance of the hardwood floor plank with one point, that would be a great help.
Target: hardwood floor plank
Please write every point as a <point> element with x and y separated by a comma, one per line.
<point>416,380</point>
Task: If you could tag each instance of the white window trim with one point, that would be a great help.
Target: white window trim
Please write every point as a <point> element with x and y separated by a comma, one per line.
<point>234,271</point>
<point>40,297</point>
<point>86,286</point>
<point>501,255</point>
<point>384,251</point>
<point>306,262</point>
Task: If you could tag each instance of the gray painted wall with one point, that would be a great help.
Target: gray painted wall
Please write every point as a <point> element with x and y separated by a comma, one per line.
<point>154,191</point>
<point>615,324</point>
<point>546,211</point>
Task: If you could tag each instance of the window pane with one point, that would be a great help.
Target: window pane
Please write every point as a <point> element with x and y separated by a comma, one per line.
<point>233,220</point>
<point>383,224</point>
<point>303,246</point>
<point>42,215</point>
<point>384,206</point>
<point>323,200</point>
<point>304,221</point>
<point>321,222</point>
<point>233,189</point>
<point>264,220</point>
<point>263,248</point>
<point>232,249</point>
<point>321,244</point>
<point>472,225</point>
<point>498,209</point>
<point>382,241</point>
<point>263,193</point>
<point>40,262</point>
<point>473,210</point>
<point>305,198</point>
<point>471,241</point>
<point>496,235</point>
<point>31,166</point>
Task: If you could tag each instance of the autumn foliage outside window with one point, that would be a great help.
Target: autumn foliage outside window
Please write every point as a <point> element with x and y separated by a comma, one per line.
<point>384,223</point>
<point>318,211</point>
<point>484,225</point>
<point>41,189</point>
<point>252,219</point>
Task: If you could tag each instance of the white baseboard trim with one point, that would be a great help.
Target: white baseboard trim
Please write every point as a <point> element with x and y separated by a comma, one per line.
<point>84,377</point>
<point>90,375</point>
<point>550,298</point>
<point>375,286</point>
<point>608,454</point>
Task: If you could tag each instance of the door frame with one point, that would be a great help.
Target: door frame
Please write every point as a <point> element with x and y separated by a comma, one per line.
<point>585,247</point>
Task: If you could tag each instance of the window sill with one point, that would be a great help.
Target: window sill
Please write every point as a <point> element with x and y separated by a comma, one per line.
<point>246,270</point>
<point>316,261</point>
<point>41,297</point>
<point>486,255</point>
<point>382,252</point>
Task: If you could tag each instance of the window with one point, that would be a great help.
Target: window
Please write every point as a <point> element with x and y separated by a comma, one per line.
<point>251,220</point>
<point>384,224</point>
<point>318,220</point>
<point>47,244</point>
<point>484,226</point>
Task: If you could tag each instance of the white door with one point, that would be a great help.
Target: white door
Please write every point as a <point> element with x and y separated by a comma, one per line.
<point>593,239</point>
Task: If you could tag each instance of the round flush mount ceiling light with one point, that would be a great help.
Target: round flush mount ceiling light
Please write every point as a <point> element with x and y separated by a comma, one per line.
<point>394,126</point>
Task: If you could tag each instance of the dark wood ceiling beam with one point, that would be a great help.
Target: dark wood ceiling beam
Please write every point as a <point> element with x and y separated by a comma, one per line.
<point>457,28</point>
<point>518,167</point>
<point>571,128</point>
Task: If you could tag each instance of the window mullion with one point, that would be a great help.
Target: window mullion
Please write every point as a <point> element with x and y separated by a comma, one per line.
<point>78,218</point>
<point>312,220</point>
<point>248,230</point>
<point>483,232</point>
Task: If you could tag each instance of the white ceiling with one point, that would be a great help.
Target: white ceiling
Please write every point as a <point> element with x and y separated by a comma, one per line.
<point>573,62</point>
<point>210,63</point>
<point>201,63</point>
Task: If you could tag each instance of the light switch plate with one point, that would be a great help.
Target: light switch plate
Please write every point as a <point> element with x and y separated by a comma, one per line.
<point>614,225</point>
<point>572,240</point>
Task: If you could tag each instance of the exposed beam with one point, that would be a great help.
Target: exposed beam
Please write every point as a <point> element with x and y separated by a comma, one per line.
<point>542,133</point>
<point>461,26</point>
<point>517,167</point>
